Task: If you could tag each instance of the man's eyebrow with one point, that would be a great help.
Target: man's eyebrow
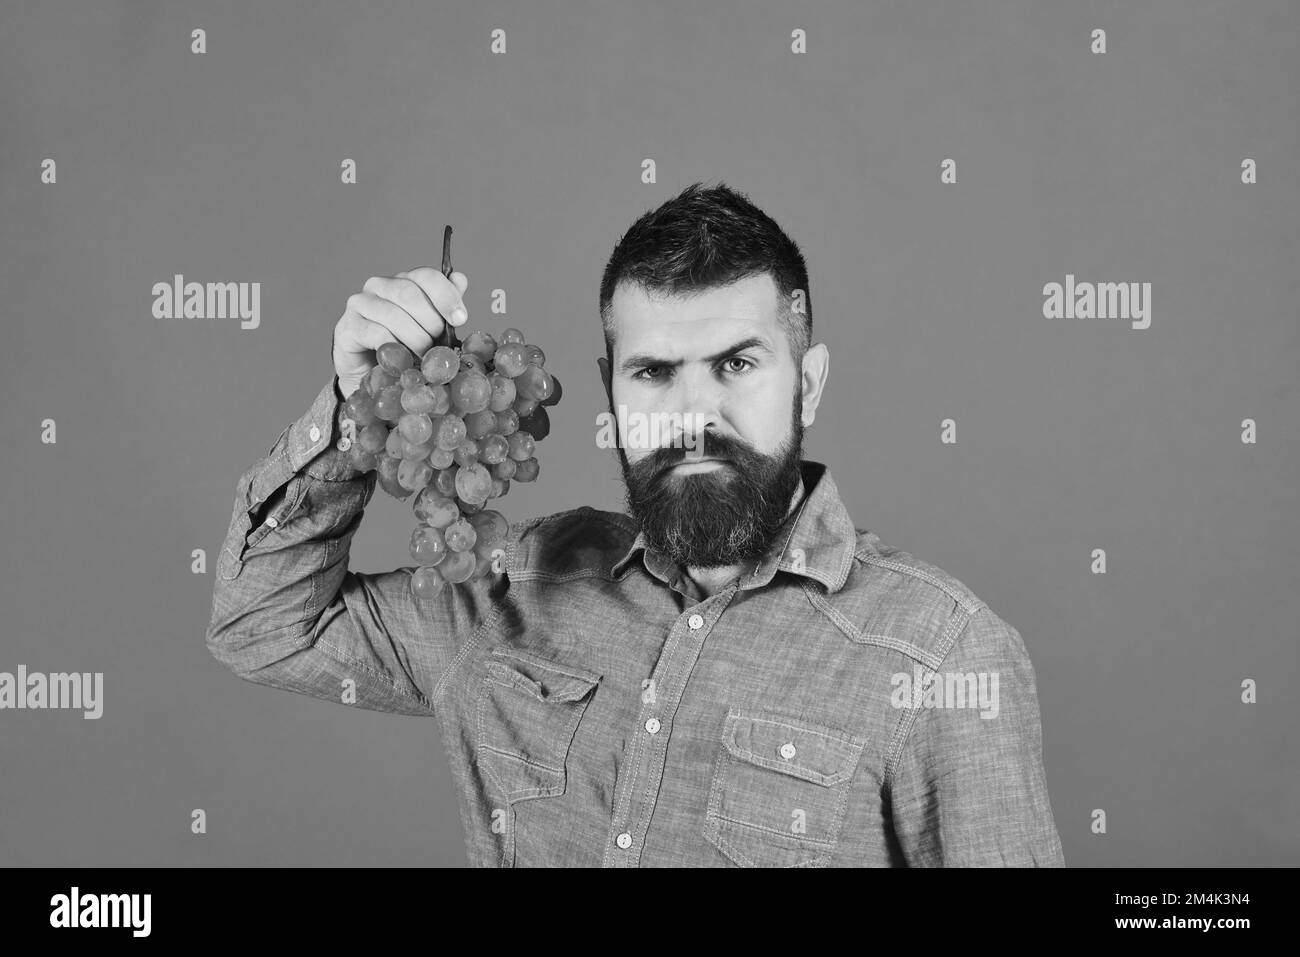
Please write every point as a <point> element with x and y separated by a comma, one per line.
<point>642,359</point>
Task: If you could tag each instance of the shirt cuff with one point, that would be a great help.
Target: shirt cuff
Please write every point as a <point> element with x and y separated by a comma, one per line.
<point>313,442</point>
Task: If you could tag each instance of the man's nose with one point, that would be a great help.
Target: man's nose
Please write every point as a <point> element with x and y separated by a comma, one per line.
<point>695,403</point>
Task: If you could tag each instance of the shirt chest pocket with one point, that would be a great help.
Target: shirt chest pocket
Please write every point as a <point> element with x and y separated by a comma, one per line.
<point>780,788</point>
<point>528,711</point>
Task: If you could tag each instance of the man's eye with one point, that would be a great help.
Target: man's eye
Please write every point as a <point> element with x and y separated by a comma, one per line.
<point>642,373</point>
<point>745,368</point>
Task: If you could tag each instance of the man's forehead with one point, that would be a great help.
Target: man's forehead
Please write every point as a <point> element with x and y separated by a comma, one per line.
<point>745,307</point>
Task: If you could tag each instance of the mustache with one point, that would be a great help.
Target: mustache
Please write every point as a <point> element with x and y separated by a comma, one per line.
<point>710,446</point>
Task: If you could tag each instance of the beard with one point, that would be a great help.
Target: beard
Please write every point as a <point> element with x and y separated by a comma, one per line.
<point>726,515</point>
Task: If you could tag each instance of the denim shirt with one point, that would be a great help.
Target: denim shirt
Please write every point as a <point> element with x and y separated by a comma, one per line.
<point>598,710</point>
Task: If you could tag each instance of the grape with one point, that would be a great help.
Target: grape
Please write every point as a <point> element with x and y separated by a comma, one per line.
<point>482,345</point>
<point>372,438</point>
<point>455,426</point>
<point>426,582</point>
<point>470,391</point>
<point>535,382</point>
<point>440,365</point>
<point>427,545</point>
<point>449,431</point>
<point>435,509</point>
<point>379,380</point>
<point>445,480</point>
<point>490,525</point>
<point>460,536</point>
<point>360,408</point>
<point>493,449</point>
<point>386,468</point>
<point>394,357</point>
<point>457,567</point>
<point>360,459</point>
<point>420,399</point>
<point>486,549</point>
<point>511,360</point>
<point>555,395</point>
<point>480,423</point>
<point>413,475</point>
<point>503,392</point>
<point>521,446</point>
<point>508,422</point>
<point>414,452</point>
<point>388,404</point>
<point>416,427</point>
<point>536,423</point>
<point>466,453</point>
<point>473,482</point>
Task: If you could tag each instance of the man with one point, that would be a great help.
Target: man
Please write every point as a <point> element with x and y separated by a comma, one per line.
<point>732,675</point>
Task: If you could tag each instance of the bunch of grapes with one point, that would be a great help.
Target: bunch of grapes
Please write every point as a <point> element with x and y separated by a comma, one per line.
<point>453,427</point>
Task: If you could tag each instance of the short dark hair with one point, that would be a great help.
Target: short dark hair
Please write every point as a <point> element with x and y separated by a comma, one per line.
<point>703,237</point>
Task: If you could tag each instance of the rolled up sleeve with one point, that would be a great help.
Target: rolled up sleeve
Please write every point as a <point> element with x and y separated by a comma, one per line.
<point>287,612</point>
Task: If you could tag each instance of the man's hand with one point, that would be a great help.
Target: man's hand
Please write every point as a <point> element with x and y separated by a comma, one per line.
<point>409,308</point>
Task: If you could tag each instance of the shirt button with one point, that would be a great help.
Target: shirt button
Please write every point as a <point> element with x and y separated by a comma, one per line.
<point>344,444</point>
<point>273,522</point>
<point>315,434</point>
<point>696,622</point>
<point>624,840</point>
<point>652,725</point>
<point>787,750</point>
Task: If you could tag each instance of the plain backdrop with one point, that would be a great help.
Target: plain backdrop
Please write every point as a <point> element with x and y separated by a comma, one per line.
<point>1071,435</point>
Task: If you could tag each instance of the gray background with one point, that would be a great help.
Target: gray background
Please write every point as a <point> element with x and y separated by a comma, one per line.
<point>1072,435</point>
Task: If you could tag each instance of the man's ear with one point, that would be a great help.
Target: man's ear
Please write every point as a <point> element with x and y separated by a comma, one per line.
<point>606,378</point>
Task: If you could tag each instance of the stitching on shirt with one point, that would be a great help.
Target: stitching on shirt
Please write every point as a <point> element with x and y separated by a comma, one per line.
<point>885,641</point>
<point>728,758</point>
<point>488,623</point>
<point>958,597</point>
<point>385,682</point>
<point>527,575</point>
<point>810,843</point>
<point>311,581</point>
<point>846,748</point>
<point>904,727</point>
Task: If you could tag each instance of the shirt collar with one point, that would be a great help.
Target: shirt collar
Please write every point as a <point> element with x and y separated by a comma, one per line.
<point>817,540</point>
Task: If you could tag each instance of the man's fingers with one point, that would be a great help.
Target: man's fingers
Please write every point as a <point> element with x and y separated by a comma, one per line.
<point>408,296</point>
<point>398,320</point>
<point>445,294</point>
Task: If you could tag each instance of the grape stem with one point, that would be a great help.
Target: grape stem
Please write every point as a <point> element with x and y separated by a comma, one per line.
<point>448,332</point>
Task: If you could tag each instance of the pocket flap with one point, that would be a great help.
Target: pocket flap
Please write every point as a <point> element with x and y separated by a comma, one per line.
<point>792,746</point>
<point>544,680</point>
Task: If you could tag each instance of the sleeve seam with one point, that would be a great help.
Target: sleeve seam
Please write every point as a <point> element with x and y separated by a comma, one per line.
<point>903,732</point>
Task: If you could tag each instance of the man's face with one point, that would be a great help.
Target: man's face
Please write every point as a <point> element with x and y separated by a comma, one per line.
<point>712,483</point>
